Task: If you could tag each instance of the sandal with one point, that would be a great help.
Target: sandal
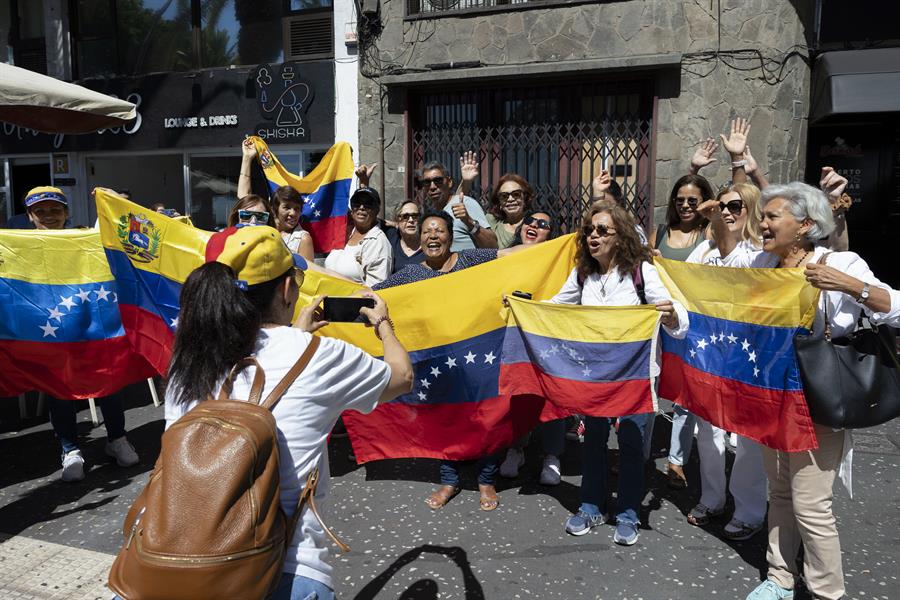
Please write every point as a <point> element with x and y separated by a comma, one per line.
<point>738,531</point>
<point>489,500</point>
<point>700,515</point>
<point>441,496</point>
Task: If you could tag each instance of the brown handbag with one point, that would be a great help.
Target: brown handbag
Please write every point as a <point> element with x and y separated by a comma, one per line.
<point>209,523</point>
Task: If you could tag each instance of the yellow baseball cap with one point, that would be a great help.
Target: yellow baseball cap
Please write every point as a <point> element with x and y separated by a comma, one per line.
<point>256,254</point>
<point>43,193</point>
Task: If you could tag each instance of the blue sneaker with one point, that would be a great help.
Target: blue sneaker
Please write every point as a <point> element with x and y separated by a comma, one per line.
<point>769,590</point>
<point>626,533</point>
<point>582,522</point>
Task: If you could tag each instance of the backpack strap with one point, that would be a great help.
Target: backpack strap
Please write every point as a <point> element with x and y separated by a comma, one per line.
<point>291,376</point>
<point>308,496</point>
<point>256,388</point>
<point>638,279</point>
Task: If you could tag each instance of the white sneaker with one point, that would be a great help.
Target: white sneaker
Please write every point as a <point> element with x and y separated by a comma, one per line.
<point>122,450</point>
<point>515,458</point>
<point>73,466</point>
<point>550,473</point>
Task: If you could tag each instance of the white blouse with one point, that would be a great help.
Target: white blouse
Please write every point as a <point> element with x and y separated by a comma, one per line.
<point>615,289</point>
<point>707,254</point>
<point>369,262</point>
<point>843,310</point>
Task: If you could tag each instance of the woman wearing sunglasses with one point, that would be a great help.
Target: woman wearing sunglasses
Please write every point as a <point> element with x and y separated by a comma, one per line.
<point>367,257</point>
<point>405,240</point>
<point>675,239</point>
<point>250,210</point>
<point>609,256</point>
<point>511,199</point>
<point>739,205</point>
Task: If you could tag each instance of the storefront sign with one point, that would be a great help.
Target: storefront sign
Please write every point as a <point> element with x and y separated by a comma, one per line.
<point>215,108</point>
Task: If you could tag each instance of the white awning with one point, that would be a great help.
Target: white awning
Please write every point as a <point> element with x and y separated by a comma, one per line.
<point>53,106</point>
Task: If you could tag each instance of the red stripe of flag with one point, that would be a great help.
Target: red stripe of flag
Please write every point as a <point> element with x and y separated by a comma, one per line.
<point>149,336</point>
<point>328,233</point>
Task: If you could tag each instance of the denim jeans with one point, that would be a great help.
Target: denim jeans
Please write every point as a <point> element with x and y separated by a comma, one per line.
<point>553,438</point>
<point>487,471</point>
<point>682,436</point>
<point>62,417</point>
<point>594,492</point>
<point>297,587</point>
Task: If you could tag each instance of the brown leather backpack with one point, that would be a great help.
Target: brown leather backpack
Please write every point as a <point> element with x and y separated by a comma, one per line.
<point>209,522</point>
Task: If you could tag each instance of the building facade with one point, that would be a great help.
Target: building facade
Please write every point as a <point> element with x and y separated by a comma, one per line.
<point>203,74</point>
<point>558,90</point>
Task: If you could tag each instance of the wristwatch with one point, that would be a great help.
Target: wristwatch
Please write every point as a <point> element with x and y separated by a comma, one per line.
<point>475,227</point>
<point>864,294</point>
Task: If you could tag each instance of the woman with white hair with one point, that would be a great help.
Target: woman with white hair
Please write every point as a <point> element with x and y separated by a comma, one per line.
<point>795,217</point>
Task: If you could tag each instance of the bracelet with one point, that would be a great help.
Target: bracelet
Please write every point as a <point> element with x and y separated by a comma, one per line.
<point>379,322</point>
<point>738,163</point>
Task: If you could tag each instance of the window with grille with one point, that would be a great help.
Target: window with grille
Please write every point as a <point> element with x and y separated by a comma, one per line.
<point>557,136</point>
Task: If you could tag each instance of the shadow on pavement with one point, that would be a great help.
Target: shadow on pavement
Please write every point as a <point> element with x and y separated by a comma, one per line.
<point>425,589</point>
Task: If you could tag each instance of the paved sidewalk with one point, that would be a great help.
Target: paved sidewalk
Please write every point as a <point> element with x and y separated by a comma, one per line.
<point>39,570</point>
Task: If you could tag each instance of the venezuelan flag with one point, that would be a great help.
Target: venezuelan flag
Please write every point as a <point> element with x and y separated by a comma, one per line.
<point>736,367</point>
<point>453,327</point>
<point>150,255</point>
<point>582,359</point>
<point>326,191</point>
<point>60,330</point>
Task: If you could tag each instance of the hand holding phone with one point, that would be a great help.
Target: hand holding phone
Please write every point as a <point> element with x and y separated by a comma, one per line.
<point>346,309</point>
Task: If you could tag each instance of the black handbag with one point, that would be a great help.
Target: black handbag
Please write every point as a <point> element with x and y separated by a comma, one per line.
<point>852,381</point>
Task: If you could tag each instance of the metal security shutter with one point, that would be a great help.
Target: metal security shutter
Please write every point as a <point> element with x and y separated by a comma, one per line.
<point>309,36</point>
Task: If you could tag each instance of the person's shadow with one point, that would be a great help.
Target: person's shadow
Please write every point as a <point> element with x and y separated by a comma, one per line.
<point>425,589</point>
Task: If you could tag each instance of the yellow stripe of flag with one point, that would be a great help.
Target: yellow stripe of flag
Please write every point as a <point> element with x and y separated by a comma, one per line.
<point>585,323</point>
<point>772,297</point>
<point>77,256</point>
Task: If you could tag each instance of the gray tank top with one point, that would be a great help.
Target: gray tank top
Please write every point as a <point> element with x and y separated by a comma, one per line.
<point>662,244</point>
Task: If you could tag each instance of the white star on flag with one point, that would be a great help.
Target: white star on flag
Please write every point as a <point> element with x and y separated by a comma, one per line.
<point>755,372</point>
<point>713,338</point>
<point>85,296</point>
<point>174,322</point>
<point>422,396</point>
<point>693,353</point>
<point>435,371</point>
<point>55,313</point>
<point>702,344</point>
<point>731,338</point>
<point>102,293</point>
<point>470,358</point>
<point>425,383</point>
<point>67,302</point>
<point>318,213</point>
<point>745,345</point>
<point>586,372</point>
<point>48,329</point>
<point>721,337</point>
<point>451,362</point>
<point>544,354</point>
<point>489,358</point>
<point>752,357</point>
<point>115,298</point>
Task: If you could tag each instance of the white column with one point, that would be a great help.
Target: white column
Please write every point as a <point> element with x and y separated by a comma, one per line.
<point>346,72</point>
<point>56,39</point>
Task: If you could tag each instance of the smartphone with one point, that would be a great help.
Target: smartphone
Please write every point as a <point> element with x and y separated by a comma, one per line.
<point>345,309</point>
<point>525,295</point>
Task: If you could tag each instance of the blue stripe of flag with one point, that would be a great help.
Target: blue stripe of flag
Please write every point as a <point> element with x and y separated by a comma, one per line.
<point>330,200</point>
<point>38,312</point>
<point>149,291</point>
<point>579,361</point>
<point>757,355</point>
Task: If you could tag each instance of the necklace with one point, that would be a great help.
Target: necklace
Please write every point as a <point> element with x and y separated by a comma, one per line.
<point>603,280</point>
<point>800,261</point>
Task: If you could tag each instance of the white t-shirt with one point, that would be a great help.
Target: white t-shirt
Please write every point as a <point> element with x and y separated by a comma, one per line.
<point>369,262</point>
<point>707,254</point>
<point>462,240</point>
<point>339,377</point>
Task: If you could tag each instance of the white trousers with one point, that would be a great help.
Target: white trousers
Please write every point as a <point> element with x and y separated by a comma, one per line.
<point>748,476</point>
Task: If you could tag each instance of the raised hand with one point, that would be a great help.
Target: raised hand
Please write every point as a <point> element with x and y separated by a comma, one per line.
<point>751,166</point>
<point>310,317</point>
<point>600,184</point>
<point>460,212</point>
<point>364,173</point>
<point>248,149</point>
<point>736,142</point>
<point>832,183</point>
<point>703,155</point>
<point>468,167</point>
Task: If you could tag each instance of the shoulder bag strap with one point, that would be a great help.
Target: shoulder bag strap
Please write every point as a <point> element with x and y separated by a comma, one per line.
<point>308,496</point>
<point>638,279</point>
<point>256,388</point>
<point>291,376</point>
<point>823,260</point>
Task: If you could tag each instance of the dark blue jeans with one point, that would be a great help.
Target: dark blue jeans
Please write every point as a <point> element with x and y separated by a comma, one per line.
<point>62,417</point>
<point>487,471</point>
<point>595,470</point>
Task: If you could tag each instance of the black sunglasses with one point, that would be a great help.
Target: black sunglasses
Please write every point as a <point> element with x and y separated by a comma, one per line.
<point>538,223</point>
<point>516,195</point>
<point>734,206</point>
<point>426,183</point>
<point>602,230</point>
<point>247,216</point>
<point>409,216</point>
<point>690,201</point>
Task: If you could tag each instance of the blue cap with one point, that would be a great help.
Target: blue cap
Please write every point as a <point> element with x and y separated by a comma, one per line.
<point>300,262</point>
<point>43,193</point>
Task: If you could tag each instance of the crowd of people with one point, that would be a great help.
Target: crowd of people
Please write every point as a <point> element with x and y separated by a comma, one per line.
<point>746,223</point>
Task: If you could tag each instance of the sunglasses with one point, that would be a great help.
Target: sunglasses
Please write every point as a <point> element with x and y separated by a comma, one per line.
<point>734,206</point>
<point>515,194</point>
<point>538,223</point>
<point>426,183</point>
<point>409,216</point>
<point>360,206</point>
<point>260,217</point>
<point>602,230</point>
<point>690,201</point>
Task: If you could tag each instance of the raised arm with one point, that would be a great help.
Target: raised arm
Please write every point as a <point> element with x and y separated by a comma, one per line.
<point>703,155</point>
<point>395,354</point>
<point>724,240</point>
<point>752,169</point>
<point>833,184</point>
<point>468,171</point>
<point>735,144</point>
<point>248,155</point>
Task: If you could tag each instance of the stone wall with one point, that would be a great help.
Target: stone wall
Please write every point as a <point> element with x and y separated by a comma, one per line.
<point>699,104</point>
